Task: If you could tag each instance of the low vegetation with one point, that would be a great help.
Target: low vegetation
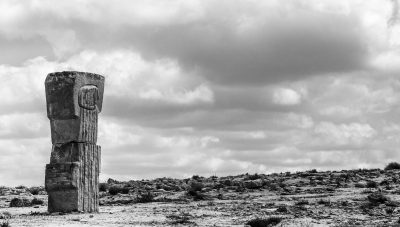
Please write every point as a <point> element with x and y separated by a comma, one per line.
<point>36,190</point>
<point>181,218</point>
<point>259,222</point>
<point>145,198</point>
<point>18,202</point>
<point>5,224</point>
<point>392,165</point>
<point>103,187</point>
<point>337,196</point>
<point>114,190</point>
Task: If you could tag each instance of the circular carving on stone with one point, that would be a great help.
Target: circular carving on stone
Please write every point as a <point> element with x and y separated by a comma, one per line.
<point>88,97</point>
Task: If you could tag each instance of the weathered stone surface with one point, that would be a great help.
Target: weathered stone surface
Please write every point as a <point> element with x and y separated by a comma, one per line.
<point>74,100</point>
<point>62,90</point>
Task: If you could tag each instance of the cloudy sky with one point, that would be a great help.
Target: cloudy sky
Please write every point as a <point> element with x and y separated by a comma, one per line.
<point>207,87</point>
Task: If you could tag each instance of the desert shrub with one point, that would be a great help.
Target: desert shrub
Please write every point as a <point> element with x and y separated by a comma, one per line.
<point>227,182</point>
<point>365,207</point>
<point>145,198</point>
<point>113,190</point>
<point>254,176</point>
<point>240,188</point>
<point>218,186</point>
<point>304,174</point>
<point>302,202</point>
<point>17,202</point>
<point>103,187</point>
<point>124,190</point>
<point>392,203</point>
<point>196,177</point>
<point>167,187</point>
<point>3,189</point>
<point>392,165</point>
<point>214,177</point>
<point>359,185</point>
<point>220,196</point>
<point>252,185</point>
<point>196,186</point>
<point>182,218</point>
<point>272,186</point>
<point>5,215</point>
<point>194,190</point>
<point>366,191</point>
<point>282,184</point>
<point>389,210</point>
<point>258,222</point>
<point>112,181</point>
<point>34,190</point>
<point>324,202</point>
<point>196,195</point>
<point>377,198</point>
<point>372,184</point>
<point>384,182</point>
<point>282,209</point>
<point>5,224</point>
<point>199,196</point>
<point>36,201</point>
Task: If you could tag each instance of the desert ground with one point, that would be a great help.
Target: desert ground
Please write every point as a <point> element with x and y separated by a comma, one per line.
<point>362,197</point>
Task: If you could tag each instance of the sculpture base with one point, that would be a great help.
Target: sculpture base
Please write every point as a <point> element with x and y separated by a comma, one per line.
<point>72,178</point>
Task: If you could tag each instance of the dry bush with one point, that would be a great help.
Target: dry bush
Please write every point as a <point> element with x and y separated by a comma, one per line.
<point>282,209</point>
<point>181,219</point>
<point>17,202</point>
<point>302,202</point>
<point>259,222</point>
<point>194,190</point>
<point>377,198</point>
<point>34,190</point>
<point>254,176</point>
<point>392,165</point>
<point>113,190</point>
<point>36,201</point>
<point>372,184</point>
<point>103,187</point>
<point>145,198</point>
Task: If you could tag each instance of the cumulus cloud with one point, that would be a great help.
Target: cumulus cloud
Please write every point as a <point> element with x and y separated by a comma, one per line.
<point>199,94</point>
<point>286,96</point>
<point>344,134</point>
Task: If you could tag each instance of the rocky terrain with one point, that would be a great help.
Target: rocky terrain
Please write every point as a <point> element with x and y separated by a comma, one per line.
<point>363,197</point>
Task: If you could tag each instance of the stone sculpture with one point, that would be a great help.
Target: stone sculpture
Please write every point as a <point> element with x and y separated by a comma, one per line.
<point>74,100</point>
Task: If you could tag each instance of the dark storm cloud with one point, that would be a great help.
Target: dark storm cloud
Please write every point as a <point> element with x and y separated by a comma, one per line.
<point>252,44</point>
<point>245,45</point>
<point>16,51</point>
<point>279,50</point>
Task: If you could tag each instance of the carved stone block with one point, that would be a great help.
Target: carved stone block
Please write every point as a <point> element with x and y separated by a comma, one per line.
<point>74,100</point>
